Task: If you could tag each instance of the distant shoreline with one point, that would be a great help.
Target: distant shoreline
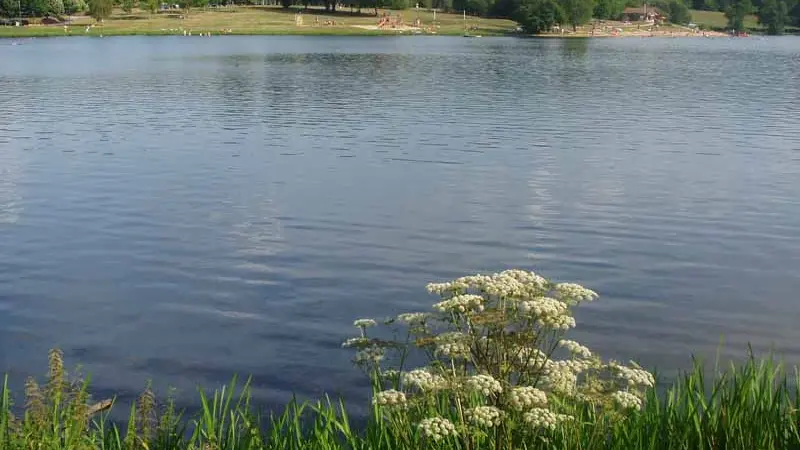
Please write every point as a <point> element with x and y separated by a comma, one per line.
<point>276,21</point>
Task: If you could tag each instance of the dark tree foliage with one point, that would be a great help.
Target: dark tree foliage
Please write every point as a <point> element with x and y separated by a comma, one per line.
<point>537,16</point>
<point>609,9</point>
<point>127,5</point>
<point>678,12</point>
<point>774,14</point>
<point>705,5</point>
<point>9,8</point>
<point>505,8</point>
<point>736,12</point>
<point>100,9</point>
<point>472,7</point>
<point>577,12</point>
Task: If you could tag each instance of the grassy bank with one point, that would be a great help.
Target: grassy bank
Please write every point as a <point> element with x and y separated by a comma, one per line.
<point>498,375</point>
<point>265,21</point>
<point>715,20</point>
<point>750,406</point>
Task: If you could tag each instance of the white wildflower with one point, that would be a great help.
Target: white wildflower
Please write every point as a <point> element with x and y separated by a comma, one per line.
<point>355,342</point>
<point>390,397</point>
<point>485,416</point>
<point>436,428</point>
<point>544,418</point>
<point>461,304</point>
<point>423,380</point>
<point>626,400</point>
<point>526,397</point>
<point>575,348</point>
<point>364,323</point>
<point>412,318</point>
<point>548,312</point>
<point>560,377</point>
<point>484,384</point>
<point>574,293</point>
<point>453,345</point>
<point>372,354</point>
<point>634,376</point>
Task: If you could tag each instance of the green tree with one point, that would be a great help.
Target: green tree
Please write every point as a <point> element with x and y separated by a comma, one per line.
<point>774,14</point>
<point>55,8</point>
<point>150,5</point>
<point>74,6</point>
<point>678,12</point>
<point>100,9</point>
<point>127,5</point>
<point>9,8</point>
<point>506,8</point>
<point>537,16</point>
<point>577,12</point>
<point>398,4</point>
<point>609,9</point>
<point>736,12</point>
<point>795,15</point>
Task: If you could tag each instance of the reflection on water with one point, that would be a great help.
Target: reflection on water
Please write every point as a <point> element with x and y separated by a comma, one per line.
<point>183,210</point>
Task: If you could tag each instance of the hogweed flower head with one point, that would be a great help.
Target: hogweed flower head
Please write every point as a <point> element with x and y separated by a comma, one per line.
<point>416,318</point>
<point>485,416</point>
<point>560,378</point>
<point>626,400</point>
<point>436,428</point>
<point>461,304</point>
<point>425,381</point>
<point>575,348</point>
<point>544,418</point>
<point>574,293</point>
<point>364,323</point>
<point>526,397</point>
<point>548,312</point>
<point>634,376</point>
<point>389,398</point>
<point>452,345</point>
<point>485,384</point>
<point>369,355</point>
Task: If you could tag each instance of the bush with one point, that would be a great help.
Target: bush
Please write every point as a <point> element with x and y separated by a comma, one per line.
<point>497,362</point>
<point>678,12</point>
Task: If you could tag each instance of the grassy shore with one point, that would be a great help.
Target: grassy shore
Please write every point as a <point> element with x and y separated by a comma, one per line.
<point>715,20</point>
<point>751,406</point>
<point>265,21</point>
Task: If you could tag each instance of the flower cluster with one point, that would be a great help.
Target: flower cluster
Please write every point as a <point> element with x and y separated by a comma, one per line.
<point>633,375</point>
<point>574,293</point>
<point>485,416</point>
<point>452,345</point>
<point>575,348</point>
<point>390,397</point>
<point>626,400</point>
<point>355,342</point>
<point>364,323</point>
<point>424,380</point>
<point>485,384</point>
<point>461,304</point>
<point>416,318</point>
<point>544,418</point>
<point>548,312</point>
<point>526,397</point>
<point>369,355</point>
<point>560,377</point>
<point>506,284</point>
<point>436,428</point>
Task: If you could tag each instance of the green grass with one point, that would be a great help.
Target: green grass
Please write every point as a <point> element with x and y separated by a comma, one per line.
<point>749,406</point>
<point>261,21</point>
<point>716,20</point>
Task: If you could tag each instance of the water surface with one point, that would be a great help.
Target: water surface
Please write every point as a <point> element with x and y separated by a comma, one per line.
<point>183,209</point>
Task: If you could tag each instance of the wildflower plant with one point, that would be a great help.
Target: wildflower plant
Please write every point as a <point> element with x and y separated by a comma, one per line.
<point>498,369</point>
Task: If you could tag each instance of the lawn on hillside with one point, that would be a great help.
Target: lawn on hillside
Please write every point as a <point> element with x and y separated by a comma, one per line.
<point>717,20</point>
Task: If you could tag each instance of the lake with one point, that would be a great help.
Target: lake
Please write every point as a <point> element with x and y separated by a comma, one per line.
<point>183,209</point>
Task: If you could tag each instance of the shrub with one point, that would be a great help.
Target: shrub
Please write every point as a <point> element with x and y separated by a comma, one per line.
<point>498,370</point>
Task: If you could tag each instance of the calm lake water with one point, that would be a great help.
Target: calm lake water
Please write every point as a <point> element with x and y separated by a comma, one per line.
<point>183,209</point>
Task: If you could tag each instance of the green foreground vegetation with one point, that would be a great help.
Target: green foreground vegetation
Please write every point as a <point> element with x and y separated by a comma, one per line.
<point>498,375</point>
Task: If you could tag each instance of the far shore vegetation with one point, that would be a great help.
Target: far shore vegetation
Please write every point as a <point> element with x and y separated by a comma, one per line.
<point>559,18</point>
<point>487,367</point>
